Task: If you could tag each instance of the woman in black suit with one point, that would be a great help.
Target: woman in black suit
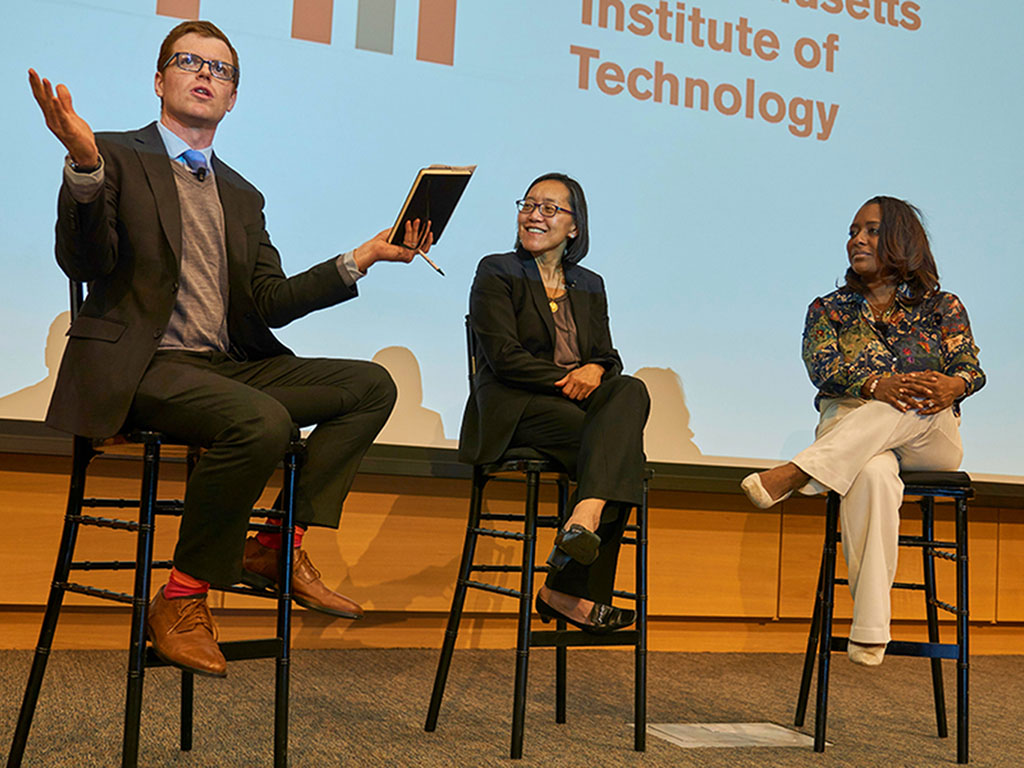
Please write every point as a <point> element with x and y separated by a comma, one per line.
<point>548,378</point>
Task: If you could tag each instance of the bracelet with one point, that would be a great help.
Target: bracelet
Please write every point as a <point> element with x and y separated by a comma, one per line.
<point>873,387</point>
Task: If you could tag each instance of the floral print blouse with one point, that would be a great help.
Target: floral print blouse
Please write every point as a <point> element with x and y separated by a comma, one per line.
<point>843,346</point>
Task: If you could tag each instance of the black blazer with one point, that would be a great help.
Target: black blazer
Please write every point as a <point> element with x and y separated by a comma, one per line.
<point>127,246</point>
<point>515,336</point>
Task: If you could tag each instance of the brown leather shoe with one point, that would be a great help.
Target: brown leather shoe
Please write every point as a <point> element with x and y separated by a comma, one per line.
<point>183,634</point>
<point>259,569</point>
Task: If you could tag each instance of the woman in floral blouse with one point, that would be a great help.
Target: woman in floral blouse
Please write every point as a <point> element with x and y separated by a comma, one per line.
<point>892,357</point>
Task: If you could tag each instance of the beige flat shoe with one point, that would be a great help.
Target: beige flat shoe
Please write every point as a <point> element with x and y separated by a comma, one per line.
<point>758,496</point>
<point>865,655</point>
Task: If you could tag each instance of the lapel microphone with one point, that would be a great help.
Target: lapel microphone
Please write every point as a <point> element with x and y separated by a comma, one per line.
<point>201,172</point>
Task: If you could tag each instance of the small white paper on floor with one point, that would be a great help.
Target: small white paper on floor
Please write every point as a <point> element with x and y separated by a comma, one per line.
<point>689,735</point>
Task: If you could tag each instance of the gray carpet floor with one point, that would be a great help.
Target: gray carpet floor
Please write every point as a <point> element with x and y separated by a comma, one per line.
<point>367,707</point>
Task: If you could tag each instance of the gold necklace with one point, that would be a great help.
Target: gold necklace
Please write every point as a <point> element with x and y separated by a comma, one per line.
<point>560,278</point>
<point>879,309</point>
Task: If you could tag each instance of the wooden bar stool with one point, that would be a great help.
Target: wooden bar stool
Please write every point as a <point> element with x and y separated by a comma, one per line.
<point>140,657</point>
<point>530,464</point>
<point>821,642</point>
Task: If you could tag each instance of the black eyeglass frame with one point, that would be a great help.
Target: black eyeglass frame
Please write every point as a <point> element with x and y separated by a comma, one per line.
<point>527,206</point>
<point>208,63</point>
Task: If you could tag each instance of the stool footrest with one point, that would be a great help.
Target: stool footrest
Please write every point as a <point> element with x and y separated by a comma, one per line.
<point>945,555</point>
<point>921,541</point>
<point>907,648</point>
<point>160,507</point>
<point>105,522</point>
<point>114,565</point>
<point>624,595</point>
<point>507,568</point>
<point>567,638</point>
<point>494,588</point>
<point>908,585</point>
<point>102,594</point>
<point>543,521</point>
<point>948,608</point>
<point>499,534</point>
<point>239,589</point>
<point>233,650</point>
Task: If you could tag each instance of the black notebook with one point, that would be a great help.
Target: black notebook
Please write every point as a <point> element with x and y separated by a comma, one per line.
<point>434,195</point>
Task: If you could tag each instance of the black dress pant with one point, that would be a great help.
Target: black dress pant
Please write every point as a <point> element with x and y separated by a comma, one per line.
<point>243,413</point>
<point>599,441</point>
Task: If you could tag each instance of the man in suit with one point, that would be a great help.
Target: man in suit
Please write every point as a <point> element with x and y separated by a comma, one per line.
<point>184,286</point>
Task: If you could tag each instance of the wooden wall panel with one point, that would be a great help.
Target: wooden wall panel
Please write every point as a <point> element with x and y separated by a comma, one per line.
<point>32,506</point>
<point>723,576</point>
<point>803,531</point>
<point>712,555</point>
<point>1011,566</point>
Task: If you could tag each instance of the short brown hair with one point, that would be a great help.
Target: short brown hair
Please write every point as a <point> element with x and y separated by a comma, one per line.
<point>903,250</point>
<point>202,28</point>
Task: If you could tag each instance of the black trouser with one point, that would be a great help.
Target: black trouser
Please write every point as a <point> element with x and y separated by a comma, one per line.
<point>243,412</point>
<point>600,443</point>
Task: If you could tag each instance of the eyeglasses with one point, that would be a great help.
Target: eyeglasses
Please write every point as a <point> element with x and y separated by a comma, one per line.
<point>191,62</point>
<point>547,210</point>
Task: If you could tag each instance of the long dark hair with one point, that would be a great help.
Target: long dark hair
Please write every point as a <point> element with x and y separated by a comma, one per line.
<point>903,250</point>
<point>578,246</point>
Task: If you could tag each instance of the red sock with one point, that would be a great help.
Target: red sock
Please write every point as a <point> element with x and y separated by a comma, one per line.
<point>273,540</point>
<point>182,585</point>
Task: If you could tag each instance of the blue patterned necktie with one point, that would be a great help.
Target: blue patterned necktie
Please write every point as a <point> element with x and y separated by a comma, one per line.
<point>196,162</point>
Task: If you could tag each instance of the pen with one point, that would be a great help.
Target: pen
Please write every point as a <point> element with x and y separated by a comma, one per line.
<point>430,262</point>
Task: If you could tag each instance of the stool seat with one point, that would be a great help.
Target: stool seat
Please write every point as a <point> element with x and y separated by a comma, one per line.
<point>949,480</point>
<point>519,460</point>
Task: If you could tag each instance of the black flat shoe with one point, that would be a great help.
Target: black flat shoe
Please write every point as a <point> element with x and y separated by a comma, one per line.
<point>578,543</point>
<point>603,618</point>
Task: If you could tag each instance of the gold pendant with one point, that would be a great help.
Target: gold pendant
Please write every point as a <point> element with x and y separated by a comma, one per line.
<point>554,306</point>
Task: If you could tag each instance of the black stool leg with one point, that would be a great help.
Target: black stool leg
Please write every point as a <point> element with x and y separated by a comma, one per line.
<point>188,687</point>
<point>812,647</point>
<point>187,699</point>
<point>282,676</point>
<point>82,454</point>
<point>561,652</point>
<point>140,603</point>
<point>962,615</point>
<point>525,608</point>
<point>458,599</point>
<point>932,611</point>
<point>640,654</point>
<point>827,602</point>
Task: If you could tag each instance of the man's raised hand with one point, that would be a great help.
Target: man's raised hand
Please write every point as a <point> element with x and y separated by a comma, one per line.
<point>72,131</point>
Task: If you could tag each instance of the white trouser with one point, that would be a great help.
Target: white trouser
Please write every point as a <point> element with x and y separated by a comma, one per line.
<point>858,452</point>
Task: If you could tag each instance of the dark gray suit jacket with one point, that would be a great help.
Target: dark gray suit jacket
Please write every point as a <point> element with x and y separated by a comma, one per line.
<point>515,334</point>
<point>127,246</point>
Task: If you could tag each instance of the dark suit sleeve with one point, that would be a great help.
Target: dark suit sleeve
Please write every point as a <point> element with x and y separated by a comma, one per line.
<point>602,351</point>
<point>281,299</point>
<point>87,232</point>
<point>493,317</point>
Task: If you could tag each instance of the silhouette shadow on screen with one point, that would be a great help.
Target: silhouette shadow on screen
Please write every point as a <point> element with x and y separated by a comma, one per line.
<point>410,422</point>
<point>30,402</point>
<point>667,436</point>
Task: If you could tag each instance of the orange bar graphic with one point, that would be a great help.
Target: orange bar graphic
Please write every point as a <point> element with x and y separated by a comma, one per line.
<point>180,9</point>
<point>311,20</point>
<point>436,39</point>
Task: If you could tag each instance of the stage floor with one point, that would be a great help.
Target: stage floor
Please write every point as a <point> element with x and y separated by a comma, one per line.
<point>367,708</point>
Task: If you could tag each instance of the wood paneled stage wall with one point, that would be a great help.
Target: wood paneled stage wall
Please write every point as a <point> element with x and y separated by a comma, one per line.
<point>723,576</point>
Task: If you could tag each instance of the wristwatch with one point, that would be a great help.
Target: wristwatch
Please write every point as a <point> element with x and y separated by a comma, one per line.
<point>84,169</point>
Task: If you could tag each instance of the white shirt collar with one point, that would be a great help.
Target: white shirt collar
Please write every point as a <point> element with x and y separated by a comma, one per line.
<point>175,145</point>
